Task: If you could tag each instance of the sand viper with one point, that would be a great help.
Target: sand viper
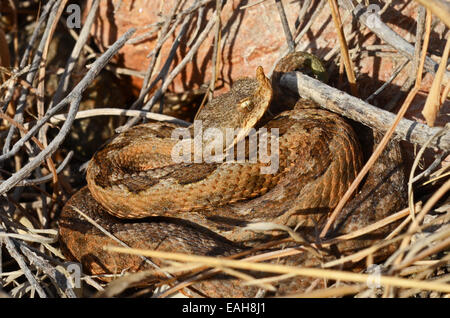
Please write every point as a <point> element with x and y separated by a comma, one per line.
<point>138,193</point>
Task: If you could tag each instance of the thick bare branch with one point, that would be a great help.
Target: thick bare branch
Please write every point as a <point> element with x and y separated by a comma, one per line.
<point>358,110</point>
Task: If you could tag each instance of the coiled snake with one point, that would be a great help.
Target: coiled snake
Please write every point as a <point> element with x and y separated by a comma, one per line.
<point>137,193</point>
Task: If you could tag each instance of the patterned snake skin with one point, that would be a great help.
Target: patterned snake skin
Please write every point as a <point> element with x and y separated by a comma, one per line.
<point>137,193</point>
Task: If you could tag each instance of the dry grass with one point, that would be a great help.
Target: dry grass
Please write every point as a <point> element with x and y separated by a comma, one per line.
<point>31,262</point>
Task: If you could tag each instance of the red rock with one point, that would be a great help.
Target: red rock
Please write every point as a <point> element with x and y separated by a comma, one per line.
<point>251,37</point>
<point>254,36</point>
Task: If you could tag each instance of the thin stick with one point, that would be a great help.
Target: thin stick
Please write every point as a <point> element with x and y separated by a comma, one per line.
<point>49,161</point>
<point>388,82</point>
<point>440,8</point>
<point>330,292</point>
<point>385,33</point>
<point>120,112</point>
<point>285,24</point>
<point>427,207</point>
<point>354,108</point>
<point>48,177</point>
<point>215,57</point>
<point>63,84</point>
<point>413,169</point>
<point>421,16</point>
<point>12,249</point>
<point>154,54</point>
<point>439,246</point>
<point>22,101</point>
<point>432,105</point>
<point>284,269</point>
<point>73,99</point>
<point>378,150</point>
<point>384,141</point>
<point>41,75</point>
<point>367,229</point>
<point>344,49</point>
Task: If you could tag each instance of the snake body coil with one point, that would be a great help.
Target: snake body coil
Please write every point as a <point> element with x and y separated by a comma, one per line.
<point>136,192</point>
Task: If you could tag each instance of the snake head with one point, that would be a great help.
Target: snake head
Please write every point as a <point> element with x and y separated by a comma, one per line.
<point>240,108</point>
<point>306,63</point>
<point>255,105</point>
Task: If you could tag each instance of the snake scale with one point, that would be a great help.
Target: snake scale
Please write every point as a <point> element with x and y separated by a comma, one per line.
<point>137,193</point>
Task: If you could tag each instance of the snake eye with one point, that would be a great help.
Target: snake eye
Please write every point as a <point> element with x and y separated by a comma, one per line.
<point>246,103</point>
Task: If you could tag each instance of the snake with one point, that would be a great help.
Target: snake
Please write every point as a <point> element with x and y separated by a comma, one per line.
<point>137,192</point>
